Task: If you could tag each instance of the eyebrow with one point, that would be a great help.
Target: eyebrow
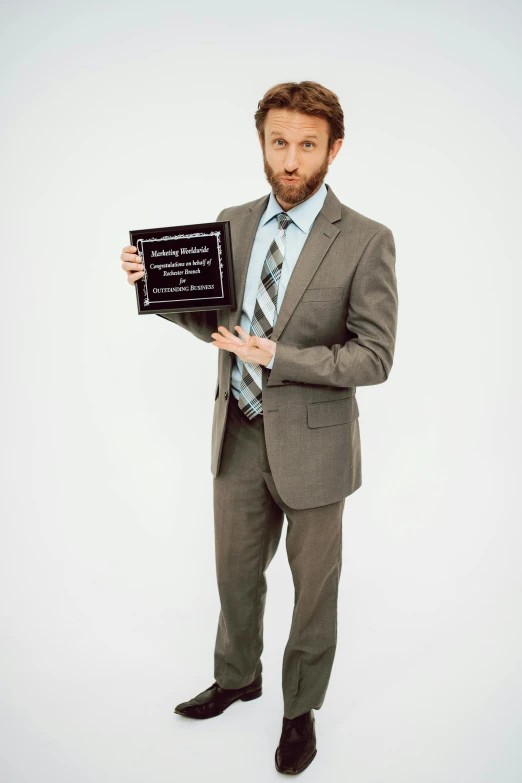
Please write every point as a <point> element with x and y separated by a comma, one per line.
<point>307,135</point>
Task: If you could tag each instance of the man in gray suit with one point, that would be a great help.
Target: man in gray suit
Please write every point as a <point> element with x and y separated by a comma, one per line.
<point>316,317</point>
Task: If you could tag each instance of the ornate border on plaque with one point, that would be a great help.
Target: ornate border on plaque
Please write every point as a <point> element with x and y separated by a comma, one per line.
<point>216,234</point>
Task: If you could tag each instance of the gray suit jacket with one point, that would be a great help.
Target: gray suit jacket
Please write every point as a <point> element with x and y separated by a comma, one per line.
<point>335,331</point>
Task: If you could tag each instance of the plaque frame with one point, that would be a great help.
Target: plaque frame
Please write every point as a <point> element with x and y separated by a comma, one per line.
<point>220,229</point>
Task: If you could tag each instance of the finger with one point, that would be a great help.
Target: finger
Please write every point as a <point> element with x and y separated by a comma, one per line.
<point>229,336</point>
<point>246,353</point>
<point>130,266</point>
<point>223,341</point>
<point>130,257</point>
<point>133,276</point>
<point>228,345</point>
<point>129,249</point>
<point>248,339</point>
<point>224,347</point>
<point>133,263</point>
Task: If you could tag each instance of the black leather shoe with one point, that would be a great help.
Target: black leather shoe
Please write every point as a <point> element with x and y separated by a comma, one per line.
<point>297,746</point>
<point>215,700</point>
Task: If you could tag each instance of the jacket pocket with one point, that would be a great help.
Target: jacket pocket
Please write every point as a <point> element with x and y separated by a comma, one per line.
<point>325,414</point>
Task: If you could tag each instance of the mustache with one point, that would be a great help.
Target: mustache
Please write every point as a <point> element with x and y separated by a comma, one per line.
<point>304,185</point>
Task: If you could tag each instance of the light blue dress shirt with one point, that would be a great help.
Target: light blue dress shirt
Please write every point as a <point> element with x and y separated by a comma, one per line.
<point>303,216</point>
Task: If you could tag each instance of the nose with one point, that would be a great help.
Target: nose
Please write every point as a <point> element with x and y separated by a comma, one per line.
<point>291,159</point>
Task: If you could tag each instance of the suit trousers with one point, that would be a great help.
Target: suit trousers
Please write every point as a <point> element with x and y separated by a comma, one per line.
<point>248,521</point>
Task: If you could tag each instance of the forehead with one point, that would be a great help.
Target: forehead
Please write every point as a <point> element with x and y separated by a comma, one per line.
<point>283,120</point>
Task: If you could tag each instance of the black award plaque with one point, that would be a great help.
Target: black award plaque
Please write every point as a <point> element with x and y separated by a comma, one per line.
<point>186,268</point>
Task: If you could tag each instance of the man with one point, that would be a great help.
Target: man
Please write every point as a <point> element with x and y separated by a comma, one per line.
<point>316,317</point>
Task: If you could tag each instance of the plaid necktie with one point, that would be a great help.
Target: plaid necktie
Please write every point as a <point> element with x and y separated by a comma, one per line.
<point>263,319</point>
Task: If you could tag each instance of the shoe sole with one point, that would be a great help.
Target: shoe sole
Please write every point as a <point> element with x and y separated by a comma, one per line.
<point>294,771</point>
<point>245,697</point>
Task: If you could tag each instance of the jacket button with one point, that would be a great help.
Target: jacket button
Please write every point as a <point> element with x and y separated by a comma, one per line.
<point>226,395</point>
<point>230,353</point>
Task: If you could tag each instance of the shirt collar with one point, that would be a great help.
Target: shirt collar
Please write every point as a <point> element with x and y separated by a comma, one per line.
<point>303,214</point>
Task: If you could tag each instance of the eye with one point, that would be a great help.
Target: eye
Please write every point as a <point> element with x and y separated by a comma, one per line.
<point>312,145</point>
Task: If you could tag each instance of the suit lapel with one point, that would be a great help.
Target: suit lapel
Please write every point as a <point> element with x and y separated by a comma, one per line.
<point>321,236</point>
<point>246,234</point>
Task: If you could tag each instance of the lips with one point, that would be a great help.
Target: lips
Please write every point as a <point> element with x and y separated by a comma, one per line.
<point>286,179</point>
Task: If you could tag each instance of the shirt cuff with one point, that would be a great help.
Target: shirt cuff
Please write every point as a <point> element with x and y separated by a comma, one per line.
<point>271,362</point>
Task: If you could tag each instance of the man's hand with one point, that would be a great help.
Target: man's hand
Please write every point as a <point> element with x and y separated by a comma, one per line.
<point>248,347</point>
<point>132,264</point>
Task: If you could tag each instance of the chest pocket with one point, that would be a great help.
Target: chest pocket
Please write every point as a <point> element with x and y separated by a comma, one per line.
<point>323,294</point>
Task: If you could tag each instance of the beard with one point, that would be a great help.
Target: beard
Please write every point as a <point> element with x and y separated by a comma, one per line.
<point>299,191</point>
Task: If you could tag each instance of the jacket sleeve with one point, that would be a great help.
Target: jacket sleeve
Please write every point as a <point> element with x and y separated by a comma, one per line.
<point>367,358</point>
<point>201,324</point>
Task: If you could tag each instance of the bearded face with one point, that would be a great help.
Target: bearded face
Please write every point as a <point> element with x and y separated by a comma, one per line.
<point>303,187</point>
<point>296,154</point>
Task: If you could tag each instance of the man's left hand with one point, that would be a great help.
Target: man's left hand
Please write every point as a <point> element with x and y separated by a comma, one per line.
<point>248,347</point>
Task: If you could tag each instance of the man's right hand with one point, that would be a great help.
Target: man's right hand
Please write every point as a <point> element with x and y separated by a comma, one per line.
<point>131,263</point>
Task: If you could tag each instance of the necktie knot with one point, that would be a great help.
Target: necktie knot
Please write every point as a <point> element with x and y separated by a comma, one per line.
<point>283,220</point>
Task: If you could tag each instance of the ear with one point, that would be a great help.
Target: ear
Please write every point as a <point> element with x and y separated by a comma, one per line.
<point>261,140</point>
<point>336,146</point>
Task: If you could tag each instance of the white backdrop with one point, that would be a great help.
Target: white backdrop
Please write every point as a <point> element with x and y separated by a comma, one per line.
<point>123,116</point>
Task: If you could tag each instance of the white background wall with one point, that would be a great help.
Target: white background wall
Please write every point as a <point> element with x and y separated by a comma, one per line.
<point>122,116</point>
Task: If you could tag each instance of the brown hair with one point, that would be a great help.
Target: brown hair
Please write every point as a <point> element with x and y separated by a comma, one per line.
<point>307,98</point>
